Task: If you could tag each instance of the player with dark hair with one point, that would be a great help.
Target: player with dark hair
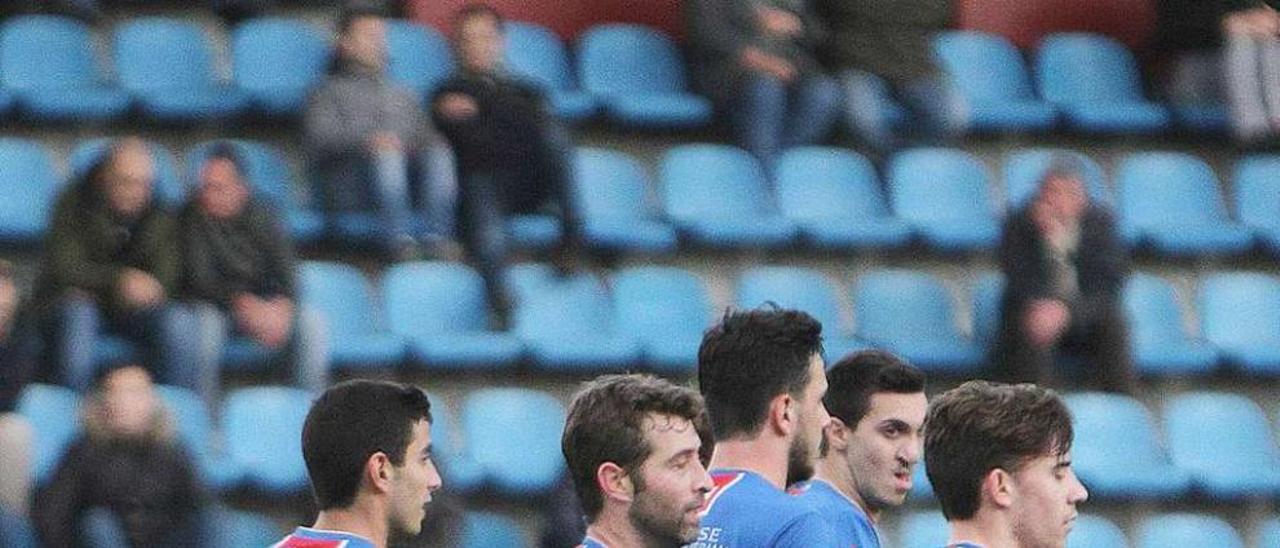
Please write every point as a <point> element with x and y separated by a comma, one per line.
<point>367,445</point>
<point>761,373</point>
<point>877,406</point>
<point>999,459</point>
<point>632,444</point>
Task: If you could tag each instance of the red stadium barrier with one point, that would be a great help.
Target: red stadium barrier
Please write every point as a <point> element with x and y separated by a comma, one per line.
<point>568,18</point>
<point>1025,22</point>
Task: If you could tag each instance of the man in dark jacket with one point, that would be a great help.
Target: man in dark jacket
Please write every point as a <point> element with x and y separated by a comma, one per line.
<point>512,156</point>
<point>110,260</point>
<point>1064,267</point>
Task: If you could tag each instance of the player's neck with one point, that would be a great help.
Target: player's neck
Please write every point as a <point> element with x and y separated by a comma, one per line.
<point>987,529</point>
<point>835,472</point>
<point>356,520</point>
<point>613,529</point>
<point>764,456</point>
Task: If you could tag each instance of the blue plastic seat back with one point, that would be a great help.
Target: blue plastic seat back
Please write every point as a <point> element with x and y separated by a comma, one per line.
<point>1160,188</point>
<point>1152,306</point>
<point>343,295</point>
<point>536,53</point>
<point>54,414</point>
<point>418,57</point>
<point>191,418</point>
<point>1082,68</point>
<point>28,186</point>
<point>265,170</point>
<point>817,183</point>
<point>1167,530</point>
<point>1113,429</point>
<point>271,53</point>
<point>1240,309</point>
<point>1219,431</point>
<point>1096,532</point>
<point>515,433</point>
<point>988,291</point>
<point>237,529</point>
<point>1257,190</point>
<point>433,298</point>
<point>712,181</point>
<point>933,184</point>
<point>610,184</point>
<point>568,309</point>
<point>47,52</point>
<point>791,287</point>
<point>923,529</point>
<point>1024,170</point>
<point>490,530</point>
<point>1269,534</point>
<point>156,53</point>
<point>263,430</point>
<point>622,59</point>
<point>168,187</point>
<point>983,67</point>
<point>657,303</point>
<point>898,305</point>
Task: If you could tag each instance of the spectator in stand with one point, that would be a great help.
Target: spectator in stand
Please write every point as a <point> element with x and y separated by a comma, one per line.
<point>239,269</point>
<point>883,52</point>
<point>370,144</point>
<point>110,261</point>
<point>126,481</point>
<point>756,60</point>
<point>512,154</point>
<point>1225,49</point>
<point>17,363</point>
<point>1064,267</point>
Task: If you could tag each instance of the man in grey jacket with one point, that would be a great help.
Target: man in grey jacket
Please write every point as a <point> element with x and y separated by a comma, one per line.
<point>371,146</point>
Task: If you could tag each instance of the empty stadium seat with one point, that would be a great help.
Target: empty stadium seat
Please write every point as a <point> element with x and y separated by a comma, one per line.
<point>1117,452</point>
<point>617,211</point>
<point>168,186</point>
<point>986,298</point>
<point>1171,203</point>
<point>911,314</point>
<point>1094,82</point>
<point>945,195</point>
<point>514,435</point>
<point>49,63</point>
<point>667,310</point>
<point>1225,442</point>
<point>1240,315</point>
<point>1160,343</point>
<point>567,323</point>
<point>195,430</point>
<point>1257,198</point>
<point>1025,169</point>
<point>921,489</point>
<point>54,414</point>
<point>835,198</point>
<point>490,530</point>
<point>263,426</point>
<point>28,190</point>
<point>925,529</point>
<point>989,78</point>
<point>537,54</point>
<point>460,473</point>
<point>1096,532</point>
<point>167,64</point>
<point>277,62</point>
<point>800,289</point>
<point>1162,531</point>
<point>237,529</point>
<point>1269,534</point>
<point>638,76</point>
<point>718,196</point>
<point>272,181</point>
<point>358,336</point>
<point>440,311</point>
<point>418,57</point>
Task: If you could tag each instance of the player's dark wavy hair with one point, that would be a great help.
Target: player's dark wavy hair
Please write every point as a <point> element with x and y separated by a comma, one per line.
<point>606,424</point>
<point>749,358</point>
<point>981,426</point>
<point>855,378</point>
<point>351,422</point>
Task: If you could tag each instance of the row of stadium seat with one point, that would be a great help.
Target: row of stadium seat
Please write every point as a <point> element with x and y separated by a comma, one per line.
<point>718,196</point>
<point>929,530</point>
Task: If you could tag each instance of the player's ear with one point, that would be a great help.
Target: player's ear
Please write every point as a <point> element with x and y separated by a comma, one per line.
<point>782,414</point>
<point>837,435</point>
<point>997,488</point>
<point>377,471</point>
<point>614,482</point>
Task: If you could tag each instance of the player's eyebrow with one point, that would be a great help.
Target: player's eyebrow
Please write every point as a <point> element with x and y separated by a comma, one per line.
<point>691,452</point>
<point>896,423</point>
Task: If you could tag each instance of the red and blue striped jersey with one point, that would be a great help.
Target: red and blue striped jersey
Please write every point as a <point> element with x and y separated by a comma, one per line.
<point>306,537</point>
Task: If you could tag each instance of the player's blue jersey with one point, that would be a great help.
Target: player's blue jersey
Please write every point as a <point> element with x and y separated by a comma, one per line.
<point>592,543</point>
<point>306,537</point>
<point>850,525</point>
<point>744,510</point>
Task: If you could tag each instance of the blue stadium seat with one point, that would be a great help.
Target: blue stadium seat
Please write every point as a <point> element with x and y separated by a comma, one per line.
<point>277,62</point>
<point>617,212</point>
<point>490,530</point>
<point>533,231</point>
<point>989,77</point>
<point>923,529</point>
<point>1207,531</point>
<point>1024,169</point>
<point>718,197</point>
<point>195,430</point>
<point>262,426</point>
<point>238,529</point>
<point>1096,532</point>
<point>638,76</point>
<point>537,54</point>
<point>54,414</point>
<point>440,311</point>
<point>1170,202</point>
<point>1225,442</point>
<point>667,309</point>
<point>1094,82</point>
<point>1202,117</point>
<point>1240,314</point>
<point>946,197</point>
<point>418,57</point>
<point>921,489</point>
<point>1257,198</point>
<point>985,299</point>
<point>168,186</point>
<point>28,190</point>
<point>835,198</point>
<point>801,289</point>
<point>167,64</point>
<point>461,473</point>
<point>1161,345</point>
<point>1117,451</point>
<point>16,531</point>
<point>1269,534</point>
<point>910,313</point>
<point>514,435</point>
<point>272,181</point>
<point>567,324</point>
<point>358,336</point>
<point>49,63</point>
